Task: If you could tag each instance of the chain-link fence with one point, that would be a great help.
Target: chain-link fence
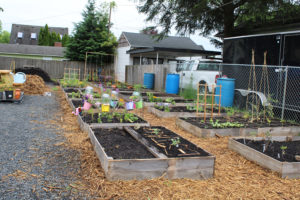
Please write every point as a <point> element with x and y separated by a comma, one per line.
<point>280,85</point>
<point>277,86</point>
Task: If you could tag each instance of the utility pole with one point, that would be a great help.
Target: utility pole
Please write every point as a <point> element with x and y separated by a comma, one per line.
<point>109,19</point>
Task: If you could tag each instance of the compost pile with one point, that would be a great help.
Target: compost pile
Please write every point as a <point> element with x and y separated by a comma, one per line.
<point>34,85</point>
<point>35,71</point>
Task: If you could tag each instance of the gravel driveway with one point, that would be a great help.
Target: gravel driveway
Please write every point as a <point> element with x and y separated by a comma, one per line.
<point>34,163</point>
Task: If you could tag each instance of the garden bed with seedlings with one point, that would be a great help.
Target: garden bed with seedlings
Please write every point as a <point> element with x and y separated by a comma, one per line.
<point>114,119</point>
<point>156,95</point>
<point>278,153</point>
<point>124,156</point>
<point>164,110</point>
<point>236,126</point>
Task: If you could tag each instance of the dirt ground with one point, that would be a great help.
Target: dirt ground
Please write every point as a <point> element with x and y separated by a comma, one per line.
<point>235,177</point>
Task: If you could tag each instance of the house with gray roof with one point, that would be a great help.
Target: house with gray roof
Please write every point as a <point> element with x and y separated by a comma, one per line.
<point>144,49</point>
<point>29,34</point>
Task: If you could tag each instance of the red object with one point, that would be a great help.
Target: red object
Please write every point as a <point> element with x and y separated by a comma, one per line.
<point>57,44</point>
<point>217,76</point>
<point>17,94</point>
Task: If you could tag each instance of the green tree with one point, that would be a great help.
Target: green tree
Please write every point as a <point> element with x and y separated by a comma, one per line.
<point>210,16</point>
<point>65,40</point>
<point>92,34</point>
<point>4,35</point>
<point>46,38</point>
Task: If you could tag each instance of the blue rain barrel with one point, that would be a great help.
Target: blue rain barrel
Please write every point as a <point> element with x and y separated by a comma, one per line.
<point>149,80</point>
<point>227,91</point>
<point>172,84</point>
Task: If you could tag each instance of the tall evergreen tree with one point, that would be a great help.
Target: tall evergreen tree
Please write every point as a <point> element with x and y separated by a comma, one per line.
<point>91,34</point>
<point>4,35</point>
<point>65,40</point>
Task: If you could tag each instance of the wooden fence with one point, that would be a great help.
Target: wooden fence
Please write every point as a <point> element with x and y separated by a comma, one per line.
<point>55,69</point>
<point>135,74</point>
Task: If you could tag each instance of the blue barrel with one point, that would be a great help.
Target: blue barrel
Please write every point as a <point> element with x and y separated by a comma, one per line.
<point>149,80</point>
<point>227,91</point>
<point>172,84</point>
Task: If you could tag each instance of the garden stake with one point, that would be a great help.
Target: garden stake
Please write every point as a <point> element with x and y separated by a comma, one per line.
<point>205,93</point>
<point>220,95</point>
<point>212,102</point>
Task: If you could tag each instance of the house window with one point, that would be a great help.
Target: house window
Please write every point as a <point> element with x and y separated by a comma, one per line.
<point>147,61</point>
<point>20,35</point>
<point>33,36</point>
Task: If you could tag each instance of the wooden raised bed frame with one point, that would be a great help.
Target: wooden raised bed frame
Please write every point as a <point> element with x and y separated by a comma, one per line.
<point>170,168</point>
<point>163,114</point>
<point>290,170</point>
<point>202,132</point>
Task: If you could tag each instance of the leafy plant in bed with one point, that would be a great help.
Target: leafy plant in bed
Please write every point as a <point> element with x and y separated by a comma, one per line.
<point>169,143</point>
<point>235,122</point>
<point>115,117</point>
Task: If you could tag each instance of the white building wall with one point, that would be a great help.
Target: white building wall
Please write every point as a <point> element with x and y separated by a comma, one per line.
<point>122,59</point>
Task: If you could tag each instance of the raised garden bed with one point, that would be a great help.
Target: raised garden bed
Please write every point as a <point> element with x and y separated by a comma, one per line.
<point>160,95</point>
<point>277,153</point>
<point>169,143</point>
<point>178,102</point>
<point>99,120</point>
<point>124,158</point>
<point>237,126</point>
<point>179,111</point>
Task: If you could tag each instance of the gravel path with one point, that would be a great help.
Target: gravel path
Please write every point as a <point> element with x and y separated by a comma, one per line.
<point>34,164</point>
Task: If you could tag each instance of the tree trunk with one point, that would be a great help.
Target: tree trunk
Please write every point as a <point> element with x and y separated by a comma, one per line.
<point>228,18</point>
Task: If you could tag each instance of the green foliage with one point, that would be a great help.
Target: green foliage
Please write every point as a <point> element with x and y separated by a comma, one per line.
<point>46,38</point>
<point>189,92</point>
<point>4,35</point>
<point>217,124</point>
<point>213,16</point>
<point>92,35</point>
<point>175,141</point>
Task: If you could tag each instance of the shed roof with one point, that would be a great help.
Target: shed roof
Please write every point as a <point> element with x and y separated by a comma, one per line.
<point>139,40</point>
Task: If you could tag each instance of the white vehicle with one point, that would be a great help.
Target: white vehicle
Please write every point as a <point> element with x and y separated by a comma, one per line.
<point>204,71</point>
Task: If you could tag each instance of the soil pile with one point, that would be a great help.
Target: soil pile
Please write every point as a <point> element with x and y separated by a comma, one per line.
<point>34,85</point>
<point>35,71</point>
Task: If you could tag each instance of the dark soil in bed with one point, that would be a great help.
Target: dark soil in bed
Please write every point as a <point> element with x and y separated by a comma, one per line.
<point>69,90</point>
<point>161,138</point>
<point>208,125</point>
<point>184,109</point>
<point>176,100</point>
<point>144,94</point>
<point>119,144</point>
<point>87,118</point>
<point>274,149</point>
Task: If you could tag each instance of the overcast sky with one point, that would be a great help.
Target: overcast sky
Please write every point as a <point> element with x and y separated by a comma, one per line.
<point>63,13</point>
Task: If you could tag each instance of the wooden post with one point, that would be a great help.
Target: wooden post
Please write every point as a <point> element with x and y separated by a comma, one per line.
<point>205,102</point>
<point>85,63</point>
<point>212,101</point>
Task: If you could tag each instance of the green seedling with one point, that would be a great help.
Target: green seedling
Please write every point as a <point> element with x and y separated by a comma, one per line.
<point>156,131</point>
<point>175,141</point>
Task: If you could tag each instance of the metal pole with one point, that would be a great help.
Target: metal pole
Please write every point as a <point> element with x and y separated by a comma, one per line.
<point>140,59</point>
<point>156,59</point>
<point>284,92</point>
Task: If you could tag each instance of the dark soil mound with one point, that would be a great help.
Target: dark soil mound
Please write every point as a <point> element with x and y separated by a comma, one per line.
<point>36,71</point>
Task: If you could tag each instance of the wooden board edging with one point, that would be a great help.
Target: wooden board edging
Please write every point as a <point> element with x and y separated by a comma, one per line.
<point>290,170</point>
